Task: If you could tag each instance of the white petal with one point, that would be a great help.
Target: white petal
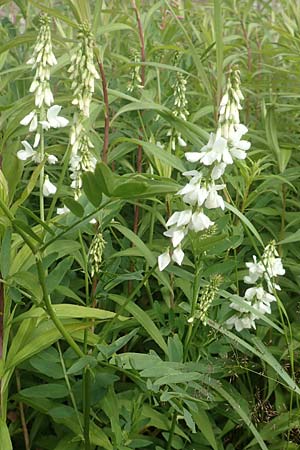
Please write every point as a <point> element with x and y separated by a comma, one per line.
<point>34,123</point>
<point>178,255</point>
<point>62,210</point>
<point>36,140</point>
<point>164,260</point>
<point>200,222</point>
<point>27,119</point>
<point>184,217</point>
<point>218,170</point>
<point>181,142</point>
<point>193,156</point>
<point>173,219</point>
<point>48,187</point>
<point>52,159</point>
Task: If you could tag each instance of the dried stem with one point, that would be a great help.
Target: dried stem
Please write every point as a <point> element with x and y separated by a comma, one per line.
<point>22,414</point>
<point>106,111</point>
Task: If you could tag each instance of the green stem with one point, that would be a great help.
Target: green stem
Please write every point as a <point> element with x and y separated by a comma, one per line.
<point>42,173</point>
<point>86,381</point>
<point>196,288</point>
<point>69,386</point>
<point>86,399</point>
<point>66,335</point>
<point>172,429</point>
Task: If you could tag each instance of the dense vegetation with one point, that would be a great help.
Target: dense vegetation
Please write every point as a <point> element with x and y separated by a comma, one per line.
<point>149,270</point>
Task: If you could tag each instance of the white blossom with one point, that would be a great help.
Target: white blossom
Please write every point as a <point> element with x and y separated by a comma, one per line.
<point>53,119</point>
<point>31,120</point>
<point>200,222</point>
<point>48,187</point>
<point>52,159</point>
<point>27,152</point>
<point>62,210</point>
<point>164,260</point>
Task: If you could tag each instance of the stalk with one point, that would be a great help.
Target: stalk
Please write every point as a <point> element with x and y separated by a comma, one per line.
<point>42,174</point>
<point>106,111</point>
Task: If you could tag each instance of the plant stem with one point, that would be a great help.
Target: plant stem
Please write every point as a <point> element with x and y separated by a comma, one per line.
<point>139,160</point>
<point>66,335</point>
<point>106,111</point>
<point>86,399</point>
<point>42,174</point>
<point>172,429</point>
<point>22,414</point>
<point>196,288</point>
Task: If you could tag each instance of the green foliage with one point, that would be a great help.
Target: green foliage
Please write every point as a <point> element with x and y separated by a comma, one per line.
<point>113,361</point>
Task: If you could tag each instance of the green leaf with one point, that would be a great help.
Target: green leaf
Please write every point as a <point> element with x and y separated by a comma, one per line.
<point>163,155</point>
<point>145,252</point>
<point>54,13</point>
<point>75,207</point>
<point>129,189</point>
<point>143,319</point>
<point>57,274</point>
<point>105,178</point>
<point>50,390</point>
<point>91,188</point>
<point>246,221</point>
<point>202,421</point>
<point>81,364</point>
<point>19,224</point>
<point>4,436</point>
<point>29,187</point>
<point>5,253</point>
<point>295,237</point>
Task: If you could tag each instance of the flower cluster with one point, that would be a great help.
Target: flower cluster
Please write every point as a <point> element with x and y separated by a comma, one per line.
<point>83,74</point>
<point>208,295</point>
<point>96,253</point>
<point>179,109</point>
<point>201,192</point>
<point>261,274</point>
<point>42,60</point>
<point>83,71</point>
<point>136,80</point>
<point>43,116</point>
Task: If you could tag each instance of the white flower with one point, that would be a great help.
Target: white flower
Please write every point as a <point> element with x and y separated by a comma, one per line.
<point>181,142</point>
<point>31,119</point>
<point>214,200</point>
<point>52,159</point>
<point>200,222</point>
<point>62,210</point>
<point>164,260</point>
<point>218,170</point>
<point>27,152</point>
<point>178,255</point>
<point>180,218</point>
<point>216,150</point>
<point>93,221</point>
<point>36,140</point>
<point>192,193</point>
<point>176,235</point>
<point>256,269</point>
<point>241,323</point>
<point>48,187</point>
<point>262,299</point>
<point>53,119</point>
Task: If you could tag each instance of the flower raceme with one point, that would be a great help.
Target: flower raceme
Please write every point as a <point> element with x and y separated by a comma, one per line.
<point>261,274</point>
<point>201,192</point>
<point>45,115</point>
